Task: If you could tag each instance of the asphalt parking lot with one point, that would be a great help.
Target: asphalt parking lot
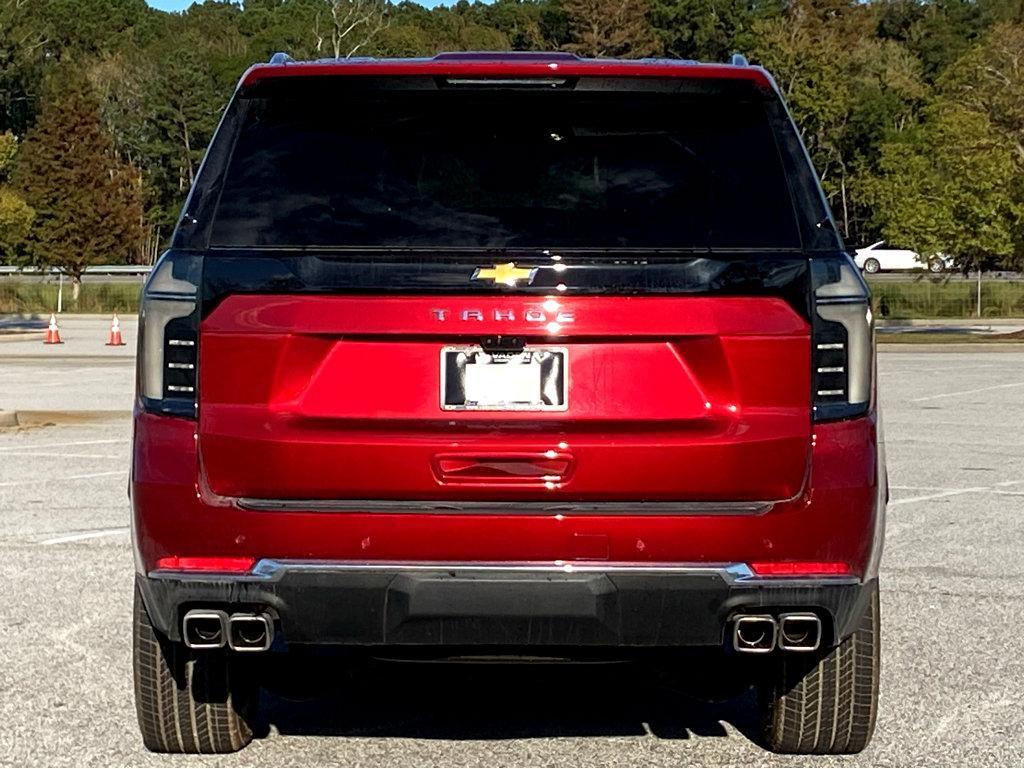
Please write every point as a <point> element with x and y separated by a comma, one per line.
<point>952,599</point>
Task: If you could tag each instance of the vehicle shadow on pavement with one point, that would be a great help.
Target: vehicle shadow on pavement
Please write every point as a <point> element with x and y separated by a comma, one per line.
<point>497,702</point>
<point>10,323</point>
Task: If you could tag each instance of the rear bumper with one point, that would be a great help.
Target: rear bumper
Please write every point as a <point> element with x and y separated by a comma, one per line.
<point>838,518</point>
<point>508,605</point>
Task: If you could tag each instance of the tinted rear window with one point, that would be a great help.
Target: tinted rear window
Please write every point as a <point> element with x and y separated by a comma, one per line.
<point>506,168</point>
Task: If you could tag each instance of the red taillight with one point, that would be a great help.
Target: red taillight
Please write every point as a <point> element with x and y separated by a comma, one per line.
<point>800,568</point>
<point>177,563</point>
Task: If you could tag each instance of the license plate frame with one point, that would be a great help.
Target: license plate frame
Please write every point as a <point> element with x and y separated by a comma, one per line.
<point>554,378</point>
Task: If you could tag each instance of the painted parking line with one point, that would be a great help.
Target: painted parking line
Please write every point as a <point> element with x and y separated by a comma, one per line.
<point>84,536</point>
<point>62,445</point>
<point>966,392</point>
<point>921,488</point>
<point>996,488</point>
<point>939,495</point>
<point>944,370</point>
<point>62,455</point>
<point>37,481</point>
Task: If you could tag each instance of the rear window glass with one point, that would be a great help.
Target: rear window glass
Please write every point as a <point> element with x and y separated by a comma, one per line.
<point>505,168</point>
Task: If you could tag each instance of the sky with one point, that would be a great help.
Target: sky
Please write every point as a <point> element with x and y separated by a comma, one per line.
<point>180,5</point>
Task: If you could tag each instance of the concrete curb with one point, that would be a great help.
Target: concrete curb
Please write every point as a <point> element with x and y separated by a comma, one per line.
<point>27,357</point>
<point>940,322</point>
<point>890,347</point>
<point>21,336</point>
<point>87,316</point>
<point>28,418</point>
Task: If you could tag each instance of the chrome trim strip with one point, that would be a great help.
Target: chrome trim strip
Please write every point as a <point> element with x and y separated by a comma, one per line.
<point>842,300</point>
<point>449,507</point>
<point>171,296</point>
<point>739,574</point>
<point>270,568</point>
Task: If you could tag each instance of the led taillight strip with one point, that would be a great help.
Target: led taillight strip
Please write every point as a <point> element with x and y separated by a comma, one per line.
<point>211,564</point>
<point>800,568</point>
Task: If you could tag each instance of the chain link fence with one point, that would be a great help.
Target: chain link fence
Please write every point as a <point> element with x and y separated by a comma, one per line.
<point>26,298</point>
<point>946,298</point>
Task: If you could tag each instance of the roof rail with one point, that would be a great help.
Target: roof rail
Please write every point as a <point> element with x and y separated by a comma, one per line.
<point>739,60</point>
<point>281,58</point>
<point>516,55</point>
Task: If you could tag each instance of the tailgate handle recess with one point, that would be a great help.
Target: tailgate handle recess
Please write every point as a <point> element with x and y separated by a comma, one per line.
<point>504,467</point>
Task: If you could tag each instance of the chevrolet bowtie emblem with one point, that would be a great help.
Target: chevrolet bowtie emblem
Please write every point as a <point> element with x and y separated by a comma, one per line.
<point>507,273</point>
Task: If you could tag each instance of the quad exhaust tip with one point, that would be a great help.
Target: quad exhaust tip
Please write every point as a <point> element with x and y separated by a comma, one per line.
<point>250,632</point>
<point>799,632</point>
<point>206,629</point>
<point>791,632</point>
<point>754,633</point>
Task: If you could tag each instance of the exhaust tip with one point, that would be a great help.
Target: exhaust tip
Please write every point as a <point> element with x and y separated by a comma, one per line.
<point>204,629</point>
<point>754,633</point>
<point>799,632</point>
<point>250,632</point>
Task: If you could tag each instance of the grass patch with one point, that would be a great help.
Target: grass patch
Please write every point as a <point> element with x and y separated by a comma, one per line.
<point>28,298</point>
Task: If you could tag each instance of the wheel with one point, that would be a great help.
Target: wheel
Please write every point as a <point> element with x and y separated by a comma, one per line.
<point>936,265</point>
<point>871,266</point>
<point>826,704</point>
<point>188,702</point>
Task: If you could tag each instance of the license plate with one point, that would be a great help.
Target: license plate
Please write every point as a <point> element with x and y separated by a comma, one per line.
<point>531,380</point>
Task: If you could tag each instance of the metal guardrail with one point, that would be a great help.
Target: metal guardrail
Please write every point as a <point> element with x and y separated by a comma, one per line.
<point>98,269</point>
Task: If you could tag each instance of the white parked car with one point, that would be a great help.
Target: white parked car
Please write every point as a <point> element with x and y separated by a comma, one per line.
<point>881,257</point>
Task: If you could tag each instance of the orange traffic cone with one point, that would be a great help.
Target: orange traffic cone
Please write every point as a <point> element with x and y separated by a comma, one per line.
<point>52,333</point>
<point>114,338</point>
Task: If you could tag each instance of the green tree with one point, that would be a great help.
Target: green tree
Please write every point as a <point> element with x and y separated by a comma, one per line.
<point>710,30</point>
<point>859,76</point>
<point>87,200</point>
<point>603,28</point>
<point>15,214</point>
<point>989,79</point>
<point>954,183</point>
<point>811,63</point>
<point>946,187</point>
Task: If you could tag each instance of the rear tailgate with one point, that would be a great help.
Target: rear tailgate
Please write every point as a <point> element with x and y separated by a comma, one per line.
<point>642,234</point>
<point>668,399</point>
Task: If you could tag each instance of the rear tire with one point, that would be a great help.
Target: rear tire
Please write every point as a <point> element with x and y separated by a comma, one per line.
<point>936,265</point>
<point>871,266</point>
<point>188,702</point>
<point>826,704</point>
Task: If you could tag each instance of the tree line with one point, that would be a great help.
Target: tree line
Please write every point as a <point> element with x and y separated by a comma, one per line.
<point>912,110</point>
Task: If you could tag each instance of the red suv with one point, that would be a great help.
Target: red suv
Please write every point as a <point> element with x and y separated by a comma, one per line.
<point>507,354</point>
